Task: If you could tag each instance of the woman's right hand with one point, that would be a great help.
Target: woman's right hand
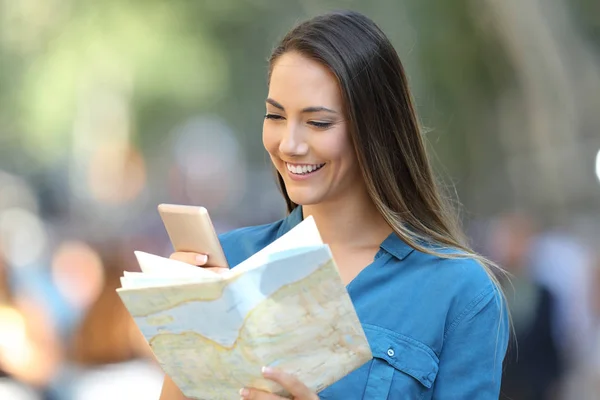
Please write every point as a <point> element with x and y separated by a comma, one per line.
<point>196,259</point>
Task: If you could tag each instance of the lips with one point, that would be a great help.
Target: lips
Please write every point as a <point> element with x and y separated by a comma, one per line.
<point>303,169</point>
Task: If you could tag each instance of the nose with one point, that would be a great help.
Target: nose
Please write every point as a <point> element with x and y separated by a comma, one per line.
<point>293,142</point>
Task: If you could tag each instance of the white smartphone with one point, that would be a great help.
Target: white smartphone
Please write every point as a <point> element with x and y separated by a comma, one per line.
<point>190,229</point>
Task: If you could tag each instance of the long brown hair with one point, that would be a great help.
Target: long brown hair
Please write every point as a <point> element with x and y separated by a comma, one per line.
<point>384,129</point>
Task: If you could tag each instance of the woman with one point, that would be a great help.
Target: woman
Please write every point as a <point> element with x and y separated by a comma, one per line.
<point>342,133</point>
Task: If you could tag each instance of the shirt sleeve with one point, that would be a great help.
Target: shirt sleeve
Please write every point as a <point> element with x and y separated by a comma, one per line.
<point>474,349</point>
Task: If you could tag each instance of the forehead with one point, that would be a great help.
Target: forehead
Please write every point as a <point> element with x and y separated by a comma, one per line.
<point>298,81</point>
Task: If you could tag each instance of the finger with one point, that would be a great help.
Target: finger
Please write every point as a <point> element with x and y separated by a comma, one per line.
<point>255,394</point>
<point>296,388</point>
<point>190,258</point>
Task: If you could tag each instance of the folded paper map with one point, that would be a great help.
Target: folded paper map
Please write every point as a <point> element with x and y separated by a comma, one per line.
<point>285,307</point>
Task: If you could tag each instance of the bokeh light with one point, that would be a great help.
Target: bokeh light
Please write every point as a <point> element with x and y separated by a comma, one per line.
<point>117,173</point>
<point>78,273</point>
<point>22,237</point>
<point>598,165</point>
<point>13,336</point>
<point>28,346</point>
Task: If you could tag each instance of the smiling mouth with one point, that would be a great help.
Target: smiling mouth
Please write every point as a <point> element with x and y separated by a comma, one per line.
<point>303,169</point>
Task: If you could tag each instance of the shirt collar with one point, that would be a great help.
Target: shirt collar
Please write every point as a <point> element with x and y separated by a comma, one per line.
<point>392,244</point>
<point>396,246</point>
<point>293,219</point>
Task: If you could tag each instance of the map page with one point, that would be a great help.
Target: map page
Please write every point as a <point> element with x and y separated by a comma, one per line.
<point>285,307</point>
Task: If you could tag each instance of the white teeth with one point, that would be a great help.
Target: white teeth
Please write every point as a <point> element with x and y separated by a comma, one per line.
<point>303,169</point>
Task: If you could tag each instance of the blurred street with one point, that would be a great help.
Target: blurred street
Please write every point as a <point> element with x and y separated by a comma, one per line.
<point>109,108</point>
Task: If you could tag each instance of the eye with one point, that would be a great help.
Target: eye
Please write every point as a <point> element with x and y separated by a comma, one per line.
<point>274,117</point>
<point>320,125</point>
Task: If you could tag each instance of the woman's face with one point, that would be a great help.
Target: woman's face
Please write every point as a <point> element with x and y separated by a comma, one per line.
<point>305,131</point>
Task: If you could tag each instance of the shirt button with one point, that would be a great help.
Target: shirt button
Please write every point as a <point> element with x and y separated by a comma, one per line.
<point>391,352</point>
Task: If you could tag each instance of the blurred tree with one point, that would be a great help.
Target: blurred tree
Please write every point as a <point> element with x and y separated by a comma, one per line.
<point>587,15</point>
<point>167,61</point>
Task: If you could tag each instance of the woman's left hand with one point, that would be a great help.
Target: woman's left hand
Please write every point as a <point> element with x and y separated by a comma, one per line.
<point>297,389</point>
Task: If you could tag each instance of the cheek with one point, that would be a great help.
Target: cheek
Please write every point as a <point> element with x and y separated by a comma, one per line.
<point>270,139</point>
<point>339,147</point>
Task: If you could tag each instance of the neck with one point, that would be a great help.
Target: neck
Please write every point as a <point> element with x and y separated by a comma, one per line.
<point>353,221</point>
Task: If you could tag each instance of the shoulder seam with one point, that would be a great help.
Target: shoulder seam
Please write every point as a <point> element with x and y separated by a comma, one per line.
<point>470,307</point>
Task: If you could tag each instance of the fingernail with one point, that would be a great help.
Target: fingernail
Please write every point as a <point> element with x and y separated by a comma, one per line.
<point>267,371</point>
<point>244,392</point>
<point>201,259</point>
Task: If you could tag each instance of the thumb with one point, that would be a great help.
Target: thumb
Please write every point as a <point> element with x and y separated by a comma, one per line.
<point>190,258</point>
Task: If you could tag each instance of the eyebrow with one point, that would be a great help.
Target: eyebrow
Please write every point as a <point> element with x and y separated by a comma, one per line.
<point>304,110</point>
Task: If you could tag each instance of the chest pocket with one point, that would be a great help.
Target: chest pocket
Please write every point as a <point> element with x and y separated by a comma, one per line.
<point>402,368</point>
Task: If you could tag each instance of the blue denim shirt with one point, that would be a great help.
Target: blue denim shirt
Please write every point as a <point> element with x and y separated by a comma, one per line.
<point>437,327</point>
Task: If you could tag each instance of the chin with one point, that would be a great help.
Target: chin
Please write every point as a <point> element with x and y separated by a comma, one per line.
<point>302,198</point>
